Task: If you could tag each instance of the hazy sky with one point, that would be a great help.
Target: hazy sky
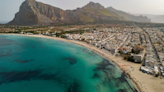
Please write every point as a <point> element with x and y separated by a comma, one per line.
<point>8,8</point>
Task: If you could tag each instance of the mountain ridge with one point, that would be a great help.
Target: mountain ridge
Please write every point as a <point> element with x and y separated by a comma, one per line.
<point>32,12</point>
<point>128,16</point>
<point>154,17</point>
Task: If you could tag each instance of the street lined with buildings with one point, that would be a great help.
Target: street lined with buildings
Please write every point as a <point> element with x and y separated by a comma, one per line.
<point>133,43</point>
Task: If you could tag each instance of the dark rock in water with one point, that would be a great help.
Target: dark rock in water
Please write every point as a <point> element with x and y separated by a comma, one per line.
<point>72,61</point>
<point>17,76</point>
<point>96,75</point>
<point>104,65</point>
<point>123,79</point>
<point>75,87</point>
<point>109,71</point>
<point>22,61</point>
<point>121,90</point>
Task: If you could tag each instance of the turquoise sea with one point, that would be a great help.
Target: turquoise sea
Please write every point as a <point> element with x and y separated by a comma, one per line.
<point>31,64</point>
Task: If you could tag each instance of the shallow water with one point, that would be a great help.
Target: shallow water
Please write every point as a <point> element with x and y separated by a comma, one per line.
<point>30,64</point>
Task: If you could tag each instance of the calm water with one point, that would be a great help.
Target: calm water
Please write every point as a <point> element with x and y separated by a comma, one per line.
<point>29,64</point>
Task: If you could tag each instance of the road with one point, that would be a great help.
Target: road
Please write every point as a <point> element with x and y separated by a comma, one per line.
<point>125,39</point>
<point>155,51</point>
<point>158,62</point>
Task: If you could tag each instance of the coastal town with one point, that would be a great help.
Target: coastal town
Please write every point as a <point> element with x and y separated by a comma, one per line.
<point>141,46</point>
<point>82,46</point>
<point>137,45</point>
<point>134,44</point>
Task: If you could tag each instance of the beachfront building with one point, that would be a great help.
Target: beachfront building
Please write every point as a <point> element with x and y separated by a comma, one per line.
<point>138,57</point>
<point>29,33</point>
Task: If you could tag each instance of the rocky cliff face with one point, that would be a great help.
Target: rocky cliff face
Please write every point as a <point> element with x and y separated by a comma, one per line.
<point>36,13</point>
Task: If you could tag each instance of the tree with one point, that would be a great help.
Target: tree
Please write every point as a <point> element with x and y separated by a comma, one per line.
<point>132,50</point>
<point>125,58</point>
<point>130,59</point>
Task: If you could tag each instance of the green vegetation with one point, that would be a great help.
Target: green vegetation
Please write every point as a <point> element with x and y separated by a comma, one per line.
<point>71,32</point>
<point>26,28</point>
<point>135,52</point>
<point>86,18</point>
<point>130,59</point>
<point>105,12</point>
<point>108,13</point>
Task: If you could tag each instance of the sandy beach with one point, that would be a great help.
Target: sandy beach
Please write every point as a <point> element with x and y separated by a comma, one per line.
<point>142,81</point>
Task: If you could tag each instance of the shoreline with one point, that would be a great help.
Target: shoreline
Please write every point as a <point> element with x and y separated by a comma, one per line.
<point>131,72</point>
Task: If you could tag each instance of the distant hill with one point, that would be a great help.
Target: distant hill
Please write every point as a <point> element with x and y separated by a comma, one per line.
<point>128,16</point>
<point>158,19</point>
<point>37,13</point>
<point>154,18</point>
<point>150,16</point>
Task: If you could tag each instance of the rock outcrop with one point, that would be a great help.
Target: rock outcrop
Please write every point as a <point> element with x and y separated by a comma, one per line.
<point>36,13</point>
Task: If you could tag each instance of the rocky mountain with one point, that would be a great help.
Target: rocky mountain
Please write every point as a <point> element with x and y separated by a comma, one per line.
<point>36,13</point>
<point>129,17</point>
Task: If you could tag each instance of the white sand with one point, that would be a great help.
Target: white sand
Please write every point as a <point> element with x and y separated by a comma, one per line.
<point>142,81</point>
